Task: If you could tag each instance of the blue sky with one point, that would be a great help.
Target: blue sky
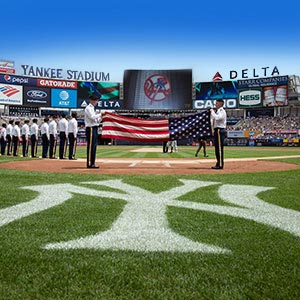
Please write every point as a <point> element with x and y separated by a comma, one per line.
<point>116,35</point>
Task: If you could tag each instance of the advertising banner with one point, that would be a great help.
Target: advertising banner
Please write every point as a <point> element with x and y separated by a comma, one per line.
<point>36,97</point>
<point>58,84</point>
<point>7,70</point>
<point>235,134</point>
<point>12,79</point>
<point>208,92</point>
<point>206,104</point>
<point>271,91</point>
<point>109,93</point>
<point>17,110</point>
<point>8,64</point>
<point>63,98</point>
<point>216,90</point>
<point>11,94</point>
<point>158,89</point>
<point>250,98</point>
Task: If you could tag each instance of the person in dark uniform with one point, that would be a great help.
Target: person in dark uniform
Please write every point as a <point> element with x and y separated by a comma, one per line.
<point>45,137</point>
<point>219,119</point>
<point>72,135</point>
<point>63,135</point>
<point>16,138</point>
<point>9,130</point>
<point>3,138</point>
<point>201,144</point>
<point>92,121</point>
<point>34,135</point>
<point>53,137</point>
<point>165,147</point>
<point>25,138</point>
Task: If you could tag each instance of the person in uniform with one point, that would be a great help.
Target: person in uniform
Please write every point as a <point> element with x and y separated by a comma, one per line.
<point>72,135</point>
<point>219,119</point>
<point>25,138</point>
<point>34,135</point>
<point>16,138</point>
<point>45,137</point>
<point>3,138</point>
<point>63,134</point>
<point>165,147</point>
<point>53,137</point>
<point>173,146</point>
<point>201,144</point>
<point>92,121</point>
<point>9,130</point>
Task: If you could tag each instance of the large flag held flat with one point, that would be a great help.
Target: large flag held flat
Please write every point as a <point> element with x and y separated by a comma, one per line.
<point>127,128</point>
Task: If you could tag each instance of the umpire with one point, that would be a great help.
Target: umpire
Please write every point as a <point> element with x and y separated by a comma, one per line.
<point>92,121</point>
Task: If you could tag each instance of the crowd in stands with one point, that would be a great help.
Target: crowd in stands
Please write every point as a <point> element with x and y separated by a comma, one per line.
<point>266,127</point>
<point>267,123</point>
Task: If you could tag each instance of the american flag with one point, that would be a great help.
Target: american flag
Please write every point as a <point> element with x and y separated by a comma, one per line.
<point>127,128</point>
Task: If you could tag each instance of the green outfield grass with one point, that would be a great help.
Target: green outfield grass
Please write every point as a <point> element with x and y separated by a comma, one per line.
<point>184,152</point>
<point>262,261</point>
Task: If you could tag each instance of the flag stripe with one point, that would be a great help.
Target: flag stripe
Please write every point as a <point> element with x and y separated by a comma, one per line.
<point>136,129</point>
<point>135,121</point>
<point>128,128</point>
<point>112,134</point>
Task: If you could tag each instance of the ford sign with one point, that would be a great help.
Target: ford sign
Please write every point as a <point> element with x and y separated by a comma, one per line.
<point>36,94</point>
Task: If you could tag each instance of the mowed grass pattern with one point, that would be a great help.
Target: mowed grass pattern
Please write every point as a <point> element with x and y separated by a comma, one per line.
<point>263,263</point>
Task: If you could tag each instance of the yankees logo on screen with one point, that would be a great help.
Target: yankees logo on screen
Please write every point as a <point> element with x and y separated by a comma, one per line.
<point>157,87</point>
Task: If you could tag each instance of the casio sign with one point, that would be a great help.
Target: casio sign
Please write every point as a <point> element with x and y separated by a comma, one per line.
<point>36,94</point>
<point>251,97</point>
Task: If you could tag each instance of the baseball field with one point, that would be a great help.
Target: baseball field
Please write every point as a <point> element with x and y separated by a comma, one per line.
<point>151,225</point>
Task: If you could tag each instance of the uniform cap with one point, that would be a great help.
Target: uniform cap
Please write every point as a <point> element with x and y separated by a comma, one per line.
<point>94,97</point>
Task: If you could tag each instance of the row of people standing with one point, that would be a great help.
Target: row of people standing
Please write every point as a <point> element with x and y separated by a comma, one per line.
<point>67,133</point>
<point>12,135</point>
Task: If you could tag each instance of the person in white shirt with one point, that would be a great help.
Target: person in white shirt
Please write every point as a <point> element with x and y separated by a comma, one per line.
<point>72,135</point>
<point>25,138</point>
<point>16,137</point>
<point>45,137</point>
<point>63,134</point>
<point>53,137</point>
<point>34,135</point>
<point>92,121</point>
<point>3,138</point>
<point>219,119</point>
<point>9,129</point>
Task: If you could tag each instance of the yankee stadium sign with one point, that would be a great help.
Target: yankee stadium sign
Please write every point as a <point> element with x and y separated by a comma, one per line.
<point>64,74</point>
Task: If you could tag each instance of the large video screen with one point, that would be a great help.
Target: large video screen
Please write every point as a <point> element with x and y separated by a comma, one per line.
<point>216,90</point>
<point>266,92</point>
<point>109,93</point>
<point>158,89</point>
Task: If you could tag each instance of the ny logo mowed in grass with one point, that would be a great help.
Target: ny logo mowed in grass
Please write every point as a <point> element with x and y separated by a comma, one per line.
<point>143,224</point>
